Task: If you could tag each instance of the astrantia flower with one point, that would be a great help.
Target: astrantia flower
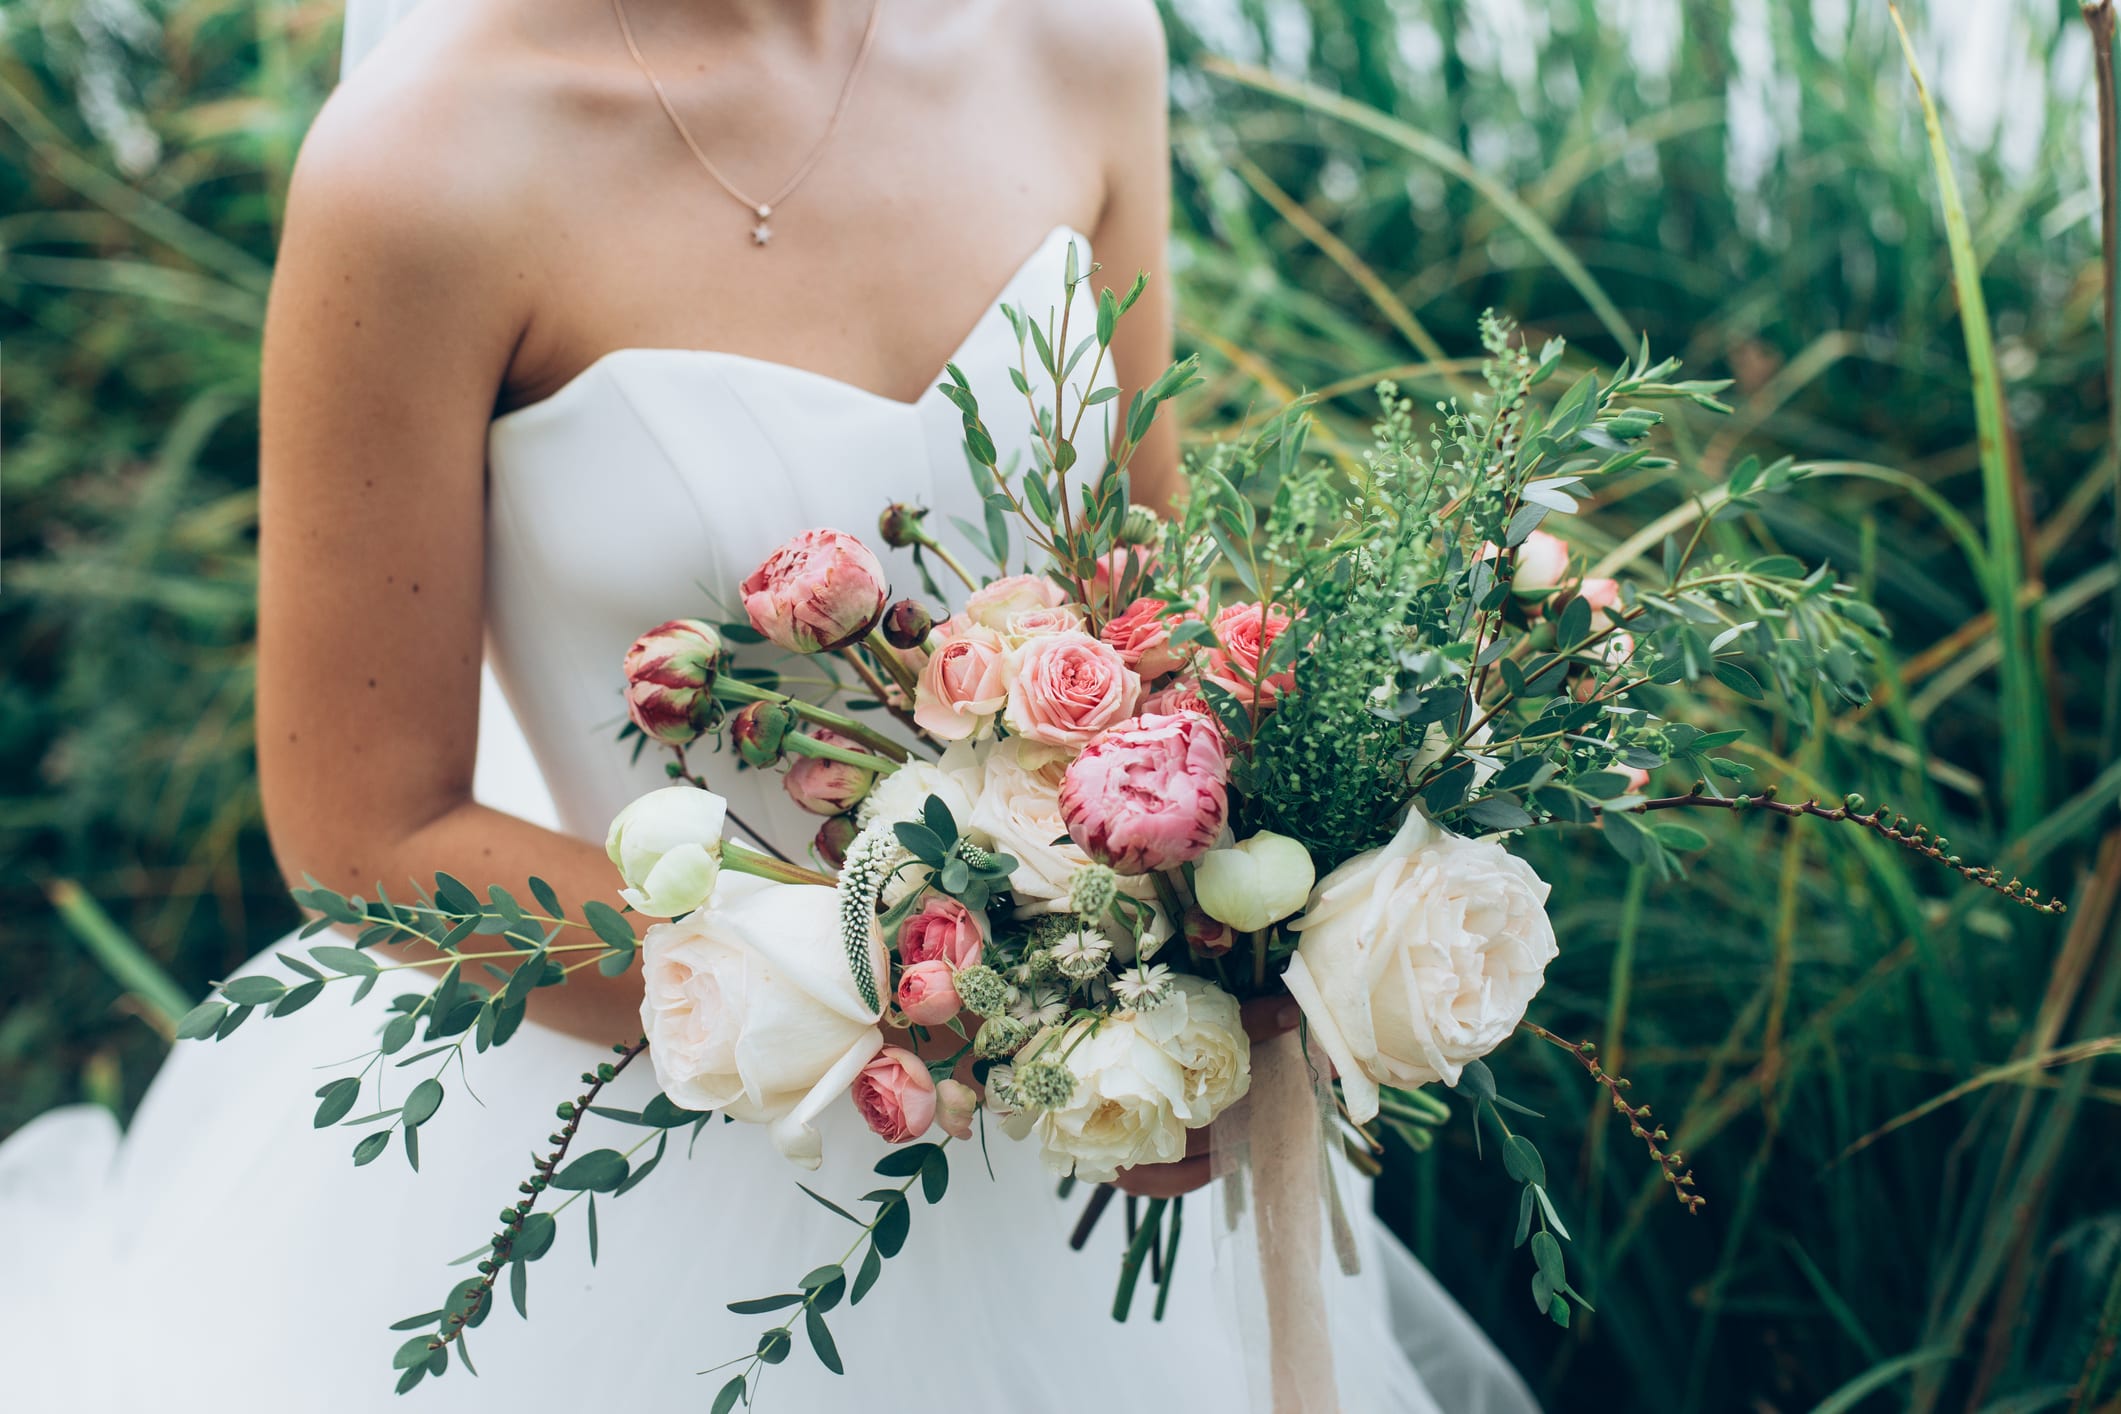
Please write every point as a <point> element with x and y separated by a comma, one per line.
<point>1082,954</point>
<point>1143,988</point>
<point>982,990</point>
<point>999,1036</point>
<point>1040,1006</point>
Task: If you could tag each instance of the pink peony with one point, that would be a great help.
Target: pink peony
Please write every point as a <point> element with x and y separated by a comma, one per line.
<point>1210,937</point>
<point>927,995</point>
<point>941,930</point>
<point>825,787</point>
<point>955,1105</point>
<point>895,1095</point>
<point>1245,633</point>
<point>1142,634</point>
<point>670,680</point>
<point>1148,795</point>
<point>818,592</point>
<point>961,684</point>
<point>993,605</point>
<point>1065,688</point>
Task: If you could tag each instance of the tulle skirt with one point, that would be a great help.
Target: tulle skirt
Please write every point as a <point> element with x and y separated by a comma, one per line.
<point>226,1255</point>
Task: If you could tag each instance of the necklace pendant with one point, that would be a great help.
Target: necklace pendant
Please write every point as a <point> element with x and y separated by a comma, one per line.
<point>762,233</point>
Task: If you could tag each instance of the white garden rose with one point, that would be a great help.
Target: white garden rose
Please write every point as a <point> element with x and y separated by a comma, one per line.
<point>903,794</point>
<point>668,847</point>
<point>1142,1079</point>
<point>751,1009</point>
<point>1418,957</point>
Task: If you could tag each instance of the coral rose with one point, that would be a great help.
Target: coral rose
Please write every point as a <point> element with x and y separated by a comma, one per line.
<point>1244,635</point>
<point>820,591</point>
<point>1142,634</point>
<point>1148,795</point>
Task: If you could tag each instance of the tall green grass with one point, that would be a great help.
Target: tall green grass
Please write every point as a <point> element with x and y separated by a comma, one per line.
<point>1357,179</point>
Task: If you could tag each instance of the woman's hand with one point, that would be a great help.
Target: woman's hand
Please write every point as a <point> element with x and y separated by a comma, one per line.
<point>1265,1018</point>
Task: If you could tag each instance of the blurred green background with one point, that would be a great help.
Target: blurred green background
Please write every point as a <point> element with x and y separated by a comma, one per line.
<point>1750,184</point>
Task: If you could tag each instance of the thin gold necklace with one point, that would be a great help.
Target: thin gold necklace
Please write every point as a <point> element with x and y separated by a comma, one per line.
<point>762,232</point>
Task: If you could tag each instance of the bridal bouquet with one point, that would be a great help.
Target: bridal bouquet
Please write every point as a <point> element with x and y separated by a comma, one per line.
<point>1280,743</point>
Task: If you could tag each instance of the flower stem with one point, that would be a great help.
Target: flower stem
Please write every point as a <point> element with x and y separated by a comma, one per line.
<point>745,860</point>
<point>803,745</point>
<point>901,672</point>
<point>728,689</point>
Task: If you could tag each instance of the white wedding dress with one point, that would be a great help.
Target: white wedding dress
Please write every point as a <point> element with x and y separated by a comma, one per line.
<point>227,1256</point>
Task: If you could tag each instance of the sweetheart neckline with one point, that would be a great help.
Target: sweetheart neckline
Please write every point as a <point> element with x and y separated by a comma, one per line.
<point>987,312</point>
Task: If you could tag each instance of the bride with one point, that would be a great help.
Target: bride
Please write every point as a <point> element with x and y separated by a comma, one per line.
<point>582,306</point>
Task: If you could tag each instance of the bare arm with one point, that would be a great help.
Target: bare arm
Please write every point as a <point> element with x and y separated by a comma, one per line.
<point>391,324</point>
<point>1133,232</point>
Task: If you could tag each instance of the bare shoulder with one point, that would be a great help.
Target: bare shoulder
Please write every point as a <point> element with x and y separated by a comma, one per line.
<point>419,162</point>
<point>1113,49</point>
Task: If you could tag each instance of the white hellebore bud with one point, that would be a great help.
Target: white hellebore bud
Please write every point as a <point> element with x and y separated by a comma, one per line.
<point>1418,957</point>
<point>750,1010</point>
<point>668,847</point>
<point>1254,882</point>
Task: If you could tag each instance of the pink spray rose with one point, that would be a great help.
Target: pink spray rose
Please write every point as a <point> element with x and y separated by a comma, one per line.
<point>1184,695</point>
<point>670,680</point>
<point>1246,633</point>
<point>1119,572</point>
<point>955,1105</point>
<point>993,605</point>
<point>961,684</point>
<point>1142,634</point>
<point>818,592</point>
<point>927,995</point>
<point>825,787</point>
<point>941,930</point>
<point>1148,795</point>
<point>1065,688</point>
<point>895,1095</point>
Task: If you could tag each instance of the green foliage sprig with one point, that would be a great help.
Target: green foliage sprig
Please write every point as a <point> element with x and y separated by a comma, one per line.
<point>884,1234</point>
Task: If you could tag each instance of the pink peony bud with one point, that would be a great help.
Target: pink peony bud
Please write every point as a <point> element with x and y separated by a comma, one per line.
<point>895,1095</point>
<point>1246,634</point>
<point>1210,937</point>
<point>941,930</point>
<point>927,995</point>
<point>1149,794</point>
<point>818,592</point>
<point>955,1105</point>
<point>906,624</point>
<point>670,680</point>
<point>757,730</point>
<point>823,786</point>
<point>900,525</point>
<point>1142,634</point>
<point>833,839</point>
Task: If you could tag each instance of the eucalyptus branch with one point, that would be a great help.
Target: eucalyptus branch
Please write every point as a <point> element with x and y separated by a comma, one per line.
<point>1670,1162</point>
<point>465,1311</point>
<point>1882,822</point>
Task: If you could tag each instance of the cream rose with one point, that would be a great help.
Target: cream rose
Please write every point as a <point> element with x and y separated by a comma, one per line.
<point>1418,957</point>
<point>1142,1079</point>
<point>751,1009</point>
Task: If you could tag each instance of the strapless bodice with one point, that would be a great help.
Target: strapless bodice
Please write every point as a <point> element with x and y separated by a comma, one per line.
<point>651,484</point>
